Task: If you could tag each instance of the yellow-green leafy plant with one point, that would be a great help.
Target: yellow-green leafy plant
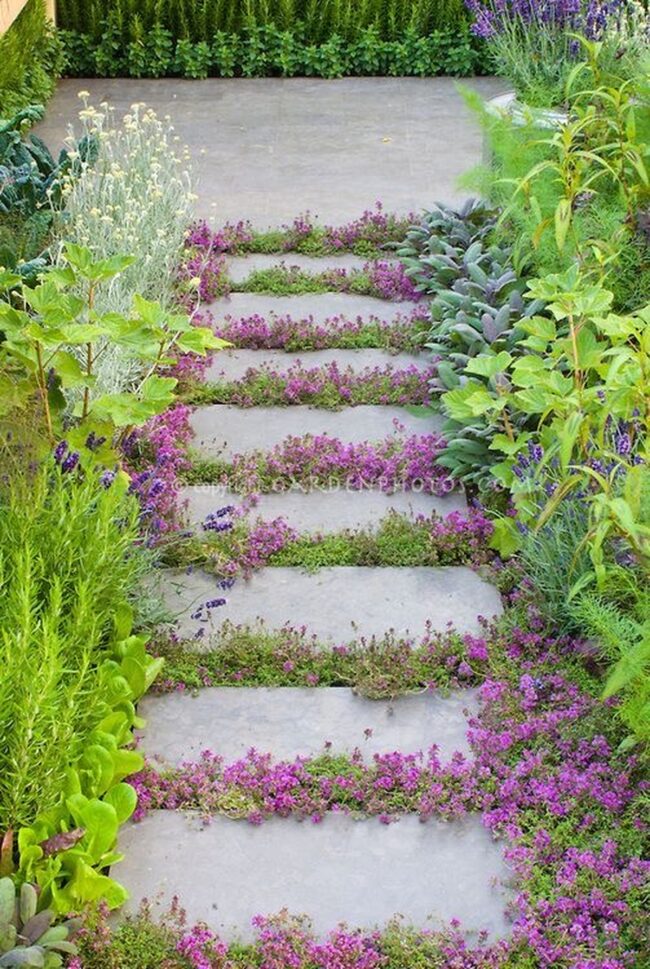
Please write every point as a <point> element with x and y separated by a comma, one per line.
<point>52,349</point>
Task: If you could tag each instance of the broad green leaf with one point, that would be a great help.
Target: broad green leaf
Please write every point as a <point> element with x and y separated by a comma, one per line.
<point>489,365</point>
<point>123,800</point>
<point>506,538</point>
<point>156,388</point>
<point>149,310</point>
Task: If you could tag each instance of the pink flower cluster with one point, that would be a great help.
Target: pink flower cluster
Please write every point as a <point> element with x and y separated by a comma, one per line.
<point>388,280</point>
<point>286,942</point>
<point>316,461</point>
<point>373,227</point>
<point>286,333</point>
<point>330,385</point>
<point>390,785</point>
<point>258,546</point>
<point>378,278</point>
<point>465,533</point>
<point>201,947</point>
<point>230,238</point>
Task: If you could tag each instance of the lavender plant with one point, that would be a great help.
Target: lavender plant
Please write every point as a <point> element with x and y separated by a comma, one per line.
<point>533,42</point>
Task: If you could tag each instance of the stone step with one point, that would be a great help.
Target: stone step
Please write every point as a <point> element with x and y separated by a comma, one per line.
<point>292,722</point>
<point>232,365</point>
<point>224,430</point>
<point>240,267</point>
<point>322,511</point>
<point>341,870</point>
<point>320,306</point>
<point>335,604</point>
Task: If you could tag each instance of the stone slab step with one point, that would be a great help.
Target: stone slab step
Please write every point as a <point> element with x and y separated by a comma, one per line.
<point>336,604</point>
<point>225,430</point>
<point>320,306</point>
<point>322,511</point>
<point>341,870</point>
<point>294,722</point>
<point>232,364</point>
<point>240,267</point>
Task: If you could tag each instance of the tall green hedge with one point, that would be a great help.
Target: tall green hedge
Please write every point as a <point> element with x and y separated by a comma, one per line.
<point>252,38</point>
<point>317,20</point>
<point>30,59</point>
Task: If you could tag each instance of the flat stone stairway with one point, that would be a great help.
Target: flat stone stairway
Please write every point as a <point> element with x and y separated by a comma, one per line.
<point>344,868</point>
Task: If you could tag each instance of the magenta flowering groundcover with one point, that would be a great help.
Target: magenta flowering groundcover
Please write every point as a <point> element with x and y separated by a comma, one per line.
<point>546,775</point>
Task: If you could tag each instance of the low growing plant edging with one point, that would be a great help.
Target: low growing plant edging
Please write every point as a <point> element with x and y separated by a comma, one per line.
<point>403,332</point>
<point>323,461</point>
<point>368,236</point>
<point>328,386</point>
<point>232,547</point>
<point>547,777</point>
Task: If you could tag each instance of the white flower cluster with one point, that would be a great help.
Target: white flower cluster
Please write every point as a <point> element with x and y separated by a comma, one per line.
<point>135,199</point>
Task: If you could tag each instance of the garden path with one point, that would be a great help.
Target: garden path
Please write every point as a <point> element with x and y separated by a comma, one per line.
<point>276,148</point>
<point>362,872</point>
<point>266,149</point>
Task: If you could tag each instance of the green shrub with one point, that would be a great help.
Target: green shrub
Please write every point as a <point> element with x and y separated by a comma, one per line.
<point>286,37</point>
<point>72,673</point>
<point>30,60</point>
<point>66,569</point>
<point>318,21</point>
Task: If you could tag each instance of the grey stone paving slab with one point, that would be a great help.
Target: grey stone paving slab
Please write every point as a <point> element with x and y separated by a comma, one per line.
<point>341,870</point>
<point>240,267</point>
<point>320,306</point>
<point>337,604</point>
<point>294,722</point>
<point>223,430</point>
<point>322,511</point>
<point>275,147</point>
<point>233,364</point>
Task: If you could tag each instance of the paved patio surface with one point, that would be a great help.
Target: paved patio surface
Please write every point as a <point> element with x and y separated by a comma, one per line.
<point>275,147</point>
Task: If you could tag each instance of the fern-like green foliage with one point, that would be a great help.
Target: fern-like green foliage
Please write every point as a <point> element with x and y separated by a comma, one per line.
<point>30,60</point>
<point>624,637</point>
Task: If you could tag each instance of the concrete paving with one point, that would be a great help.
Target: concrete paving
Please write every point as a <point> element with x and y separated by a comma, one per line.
<point>240,267</point>
<point>293,722</point>
<point>336,604</point>
<point>267,149</point>
<point>231,365</point>
<point>322,511</point>
<point>223,430</point>
<point>341,870</point>
<point>319,306</point>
